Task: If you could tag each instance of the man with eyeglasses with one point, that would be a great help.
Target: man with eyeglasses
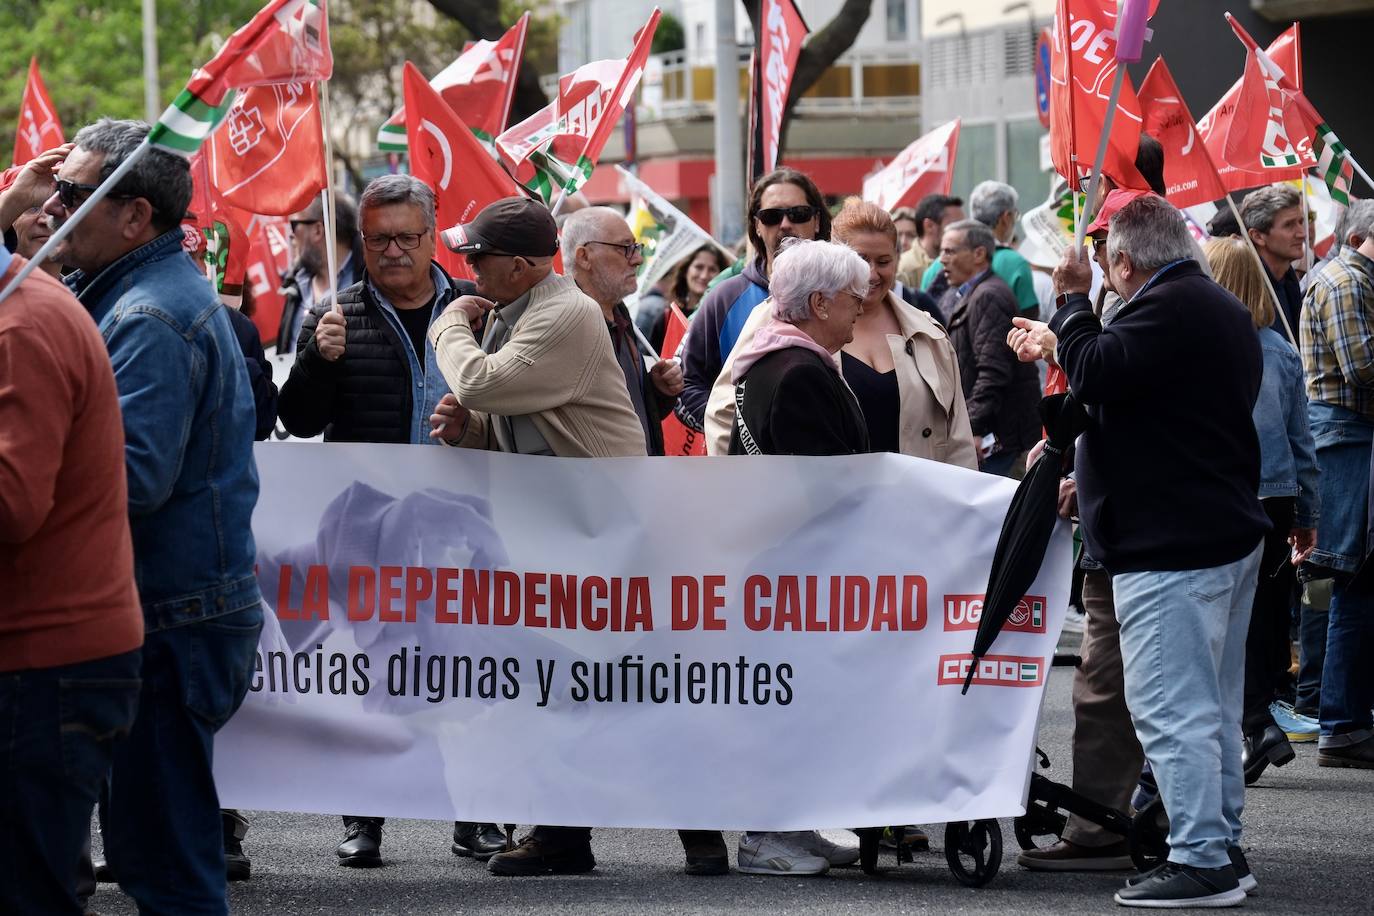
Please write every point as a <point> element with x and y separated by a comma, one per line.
<point>188,419</point>
<point>785,203</point>
<point>308,280</point>
<point>600,250</point>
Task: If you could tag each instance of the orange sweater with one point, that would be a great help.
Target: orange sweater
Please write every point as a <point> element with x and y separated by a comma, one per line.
<point>67,591</point>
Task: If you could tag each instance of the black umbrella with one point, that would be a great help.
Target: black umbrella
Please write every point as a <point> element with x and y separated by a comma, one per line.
<point>1029,523</point>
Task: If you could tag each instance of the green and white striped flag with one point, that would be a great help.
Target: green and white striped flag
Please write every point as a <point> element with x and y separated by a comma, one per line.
<point>1332,164</point>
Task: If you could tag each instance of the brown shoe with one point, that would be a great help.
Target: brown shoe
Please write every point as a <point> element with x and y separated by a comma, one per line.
<point>536,857</point>
<point>1067,856</point>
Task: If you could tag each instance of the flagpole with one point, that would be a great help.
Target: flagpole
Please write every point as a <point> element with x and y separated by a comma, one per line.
<point>1264,271</point>
<point>1080,231</point>
<point>81,213</point>
<point>327,200</point>
<point>1307,224</point>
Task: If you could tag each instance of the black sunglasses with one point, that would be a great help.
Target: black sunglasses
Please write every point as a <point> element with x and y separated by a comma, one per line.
<point>67,191</point>
<point>297,223</point>
<point>774,215</point>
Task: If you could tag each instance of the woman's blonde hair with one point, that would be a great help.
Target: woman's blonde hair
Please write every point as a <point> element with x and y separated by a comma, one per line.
<point>1233,266</point>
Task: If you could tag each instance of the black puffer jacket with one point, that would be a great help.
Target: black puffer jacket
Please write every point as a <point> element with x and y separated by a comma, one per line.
<point>367,395</point>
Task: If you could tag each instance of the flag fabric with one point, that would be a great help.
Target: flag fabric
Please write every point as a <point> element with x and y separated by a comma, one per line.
<point>669,236</point>
<point>1332,165</point>
<point>555,150</point>
<point>223,226</point>
<point>286,42</point>
<point>1082,70</point>
<point>924,167</point>
<point>39,127</point>
<point>1213,128</point>
<point>679,440</point>
<point>269,256</point>
<point>774,61</point>
<point>1190,178</point>
<point>269,158</point>
<point>478,86</point>
<point>1268,130</point>
<point>446,156</point>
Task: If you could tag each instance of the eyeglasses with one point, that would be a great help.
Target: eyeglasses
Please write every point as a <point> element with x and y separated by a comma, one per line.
<point>773,216</point>
<point>628,250</point>
<point>1098,245</point>
<point>67,191</point>
<point>406,241</point>
<point>297,223</point>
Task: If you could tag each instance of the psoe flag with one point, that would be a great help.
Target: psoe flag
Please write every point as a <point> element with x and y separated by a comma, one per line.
<point>39,127</point>
<point>924,167</point>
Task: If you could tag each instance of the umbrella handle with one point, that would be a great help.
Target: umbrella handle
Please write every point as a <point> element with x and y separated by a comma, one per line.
<point>968,678</point>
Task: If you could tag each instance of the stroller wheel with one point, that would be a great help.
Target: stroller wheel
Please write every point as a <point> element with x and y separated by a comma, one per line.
<point>973,850</point>
<point>1149,839</point>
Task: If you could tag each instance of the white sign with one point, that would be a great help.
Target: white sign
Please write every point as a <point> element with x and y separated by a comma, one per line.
<point>761,643</point>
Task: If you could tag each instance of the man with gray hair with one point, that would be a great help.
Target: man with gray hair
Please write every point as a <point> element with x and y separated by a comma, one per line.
<point>1168,474</point>
<point>1001,392</point>
<point>189,419</point>
<point>1274,220</point>
<point>994,204</point>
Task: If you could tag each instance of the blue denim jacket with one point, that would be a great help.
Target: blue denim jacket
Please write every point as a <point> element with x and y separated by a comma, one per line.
<point>188,430</point>
<point>1288,455</point>
<point>430,384</point>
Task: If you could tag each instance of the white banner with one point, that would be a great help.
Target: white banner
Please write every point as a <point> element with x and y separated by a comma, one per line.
<point>760,643</point>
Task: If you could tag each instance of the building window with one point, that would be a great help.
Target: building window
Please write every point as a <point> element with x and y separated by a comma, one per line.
<point>896,20</point>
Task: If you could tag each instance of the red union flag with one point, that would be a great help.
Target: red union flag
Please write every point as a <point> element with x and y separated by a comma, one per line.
<point>268,157</point>
<point>782,31</point>
<point>1190,178</point>
<point>446,156</point>
<point>269,256</point>
<point>678,439</point>
<point>1215,126</point>
<point>478,86</point>
<point>1269,131</point>
<point>39,128</point>
<point>1082,69</point>
<point>924,167</point>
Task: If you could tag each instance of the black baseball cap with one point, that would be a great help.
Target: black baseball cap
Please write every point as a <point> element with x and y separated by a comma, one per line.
<point>512,225</point>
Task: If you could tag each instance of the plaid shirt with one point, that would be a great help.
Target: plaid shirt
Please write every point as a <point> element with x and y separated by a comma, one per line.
<point>1337,333</point>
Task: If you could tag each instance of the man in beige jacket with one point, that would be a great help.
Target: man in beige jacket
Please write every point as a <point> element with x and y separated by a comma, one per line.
<point>543,380</point>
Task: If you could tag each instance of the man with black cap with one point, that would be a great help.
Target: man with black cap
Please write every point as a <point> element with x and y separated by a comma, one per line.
<point>544,379</point>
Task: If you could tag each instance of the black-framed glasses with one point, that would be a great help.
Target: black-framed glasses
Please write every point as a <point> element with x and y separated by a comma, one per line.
<point>67,191</point>
<point>629,251</point>
<point>773,216</point>
<point>406,241</point>
<point>297,223</point>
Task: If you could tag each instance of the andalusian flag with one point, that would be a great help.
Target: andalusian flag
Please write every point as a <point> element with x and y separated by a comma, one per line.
<point>1332,164</point>
<point>286,42</point>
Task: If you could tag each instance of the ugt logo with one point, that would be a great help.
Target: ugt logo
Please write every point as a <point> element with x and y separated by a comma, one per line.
<point>963,612</point>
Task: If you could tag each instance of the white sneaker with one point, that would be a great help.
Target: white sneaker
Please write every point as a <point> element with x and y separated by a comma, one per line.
<point>834,853</point>
<point>776,854</point>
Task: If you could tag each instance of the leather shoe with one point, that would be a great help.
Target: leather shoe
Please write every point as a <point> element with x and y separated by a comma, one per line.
<point>1067,856</point>
<point>477,841</point>
<point>237,866</point>
<point>537,857</point>
<point>1359,755</point>
<point>362,844</point>
<point>1260,749</point>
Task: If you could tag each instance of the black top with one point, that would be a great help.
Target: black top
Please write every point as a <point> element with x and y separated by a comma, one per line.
<point>416,323</point>
<point>259,372</point>
<point>878,399</point>
<point>792,403</point>
<point>1169,467</point>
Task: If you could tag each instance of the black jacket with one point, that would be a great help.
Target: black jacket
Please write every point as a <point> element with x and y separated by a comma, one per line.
<point>1002,393</point>
<point>1169,468</point>
<point>367,395</point>
<point>259,372</point>
<point>794,404</point>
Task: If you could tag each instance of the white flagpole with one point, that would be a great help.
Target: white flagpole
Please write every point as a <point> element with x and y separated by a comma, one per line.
<point>327,199</point>
<point>1307,225</point>
<point>81,213</point>
<point>1089,206</point>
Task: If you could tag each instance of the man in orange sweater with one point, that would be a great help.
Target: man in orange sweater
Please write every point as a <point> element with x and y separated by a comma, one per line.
<point>71,625</point>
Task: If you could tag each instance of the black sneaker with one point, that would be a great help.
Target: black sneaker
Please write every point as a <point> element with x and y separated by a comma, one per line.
<point>1241,867</point>
<point>1173,886</point>
<point>535,857</point>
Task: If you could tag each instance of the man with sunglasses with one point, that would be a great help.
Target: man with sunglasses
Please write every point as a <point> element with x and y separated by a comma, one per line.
<point>189,418</point>
<point>308,280</point>
<point>785,203</point>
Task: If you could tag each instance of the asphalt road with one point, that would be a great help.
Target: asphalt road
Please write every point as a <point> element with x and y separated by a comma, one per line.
<point>1309,834</point>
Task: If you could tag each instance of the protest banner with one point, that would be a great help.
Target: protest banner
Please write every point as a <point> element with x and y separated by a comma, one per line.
<point>812,616</point>
<point>668,235</point>
<point>771,67</point>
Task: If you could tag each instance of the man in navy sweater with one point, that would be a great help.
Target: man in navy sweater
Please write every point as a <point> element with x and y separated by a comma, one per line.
<point>1168,473</point>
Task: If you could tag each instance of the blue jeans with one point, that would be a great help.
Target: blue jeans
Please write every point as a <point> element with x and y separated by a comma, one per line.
<point>58,729</point>
<point>1183,649</point>
<point>1343,440</point>
<point>163,836</point>
<point>1347,678</point>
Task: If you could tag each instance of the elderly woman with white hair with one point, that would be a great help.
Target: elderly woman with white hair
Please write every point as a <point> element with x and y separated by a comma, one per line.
<point>790,398</point>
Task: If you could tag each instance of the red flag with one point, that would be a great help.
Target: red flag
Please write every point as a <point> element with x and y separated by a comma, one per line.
<point>1082,69</point>
<point>678,439</point>
<point>478,86</point>
<point>39,128</point>
<point>446,156</point>
<point>269,256</point>
<point>1190,178</point>
<point>924,167</point>
<point>782,31</point>
<point>1286,51</point>
<point>1269,131</point>
<point>269,156</point>
<point>223,226</point>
